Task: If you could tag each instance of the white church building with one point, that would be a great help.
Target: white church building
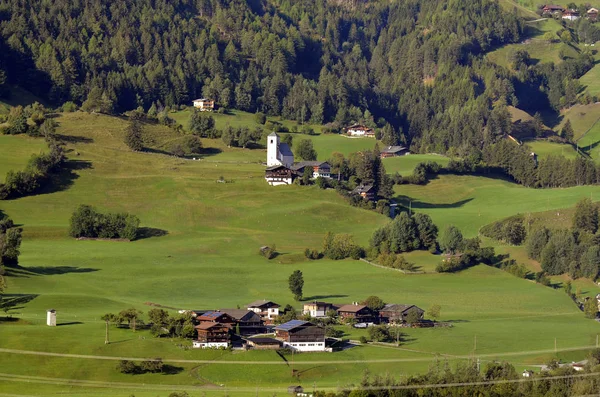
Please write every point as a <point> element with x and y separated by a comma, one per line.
<point>278,153</point>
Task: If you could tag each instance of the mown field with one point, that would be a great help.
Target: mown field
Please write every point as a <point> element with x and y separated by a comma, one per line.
<point>201,252</point>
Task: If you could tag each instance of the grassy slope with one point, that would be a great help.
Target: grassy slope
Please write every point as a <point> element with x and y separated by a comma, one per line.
<point>538,49</point>
<point>545,148</point>
<point>591,82</point>
<point>209,260</point>
<point>15,152</point>
<point>582,118</point>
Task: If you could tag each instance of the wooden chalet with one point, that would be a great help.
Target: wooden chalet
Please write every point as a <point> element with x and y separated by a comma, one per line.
<point>316,168</point>
<point>216,317</point>
<point>267,310</point>
<point>393,151</point>
<point>365,191</point>
<point>212,335</point>
<point>395,314</point>
<point>360,313</point>
<point>280,175</point>
<point>204,105</point>
<point>570,15</point>
<point>551,9</point>
<point>360,130</point>
<point>592,14</point>
<point>301,335</point>
<point>248,321</point>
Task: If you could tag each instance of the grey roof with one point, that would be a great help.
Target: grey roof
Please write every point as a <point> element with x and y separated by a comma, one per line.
<point>394,307</point>
<point>241,314</point>
<point>264,341</point>
<point>285,150</point>
<point>393,149</point>
<point>302,164</point>
<point>274,167</point>
<point>351,308</point>
<point>290,325</point>
<point>273,134</point>
<point>363,189</point>
<point>261,303</point>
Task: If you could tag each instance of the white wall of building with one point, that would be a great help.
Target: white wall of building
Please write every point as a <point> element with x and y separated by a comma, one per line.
<point>276,182</point>
<point>306,346</point>
<point>209,345</point>
<point>273,311</point>
<point>51,318</point>
<point>273,151</point>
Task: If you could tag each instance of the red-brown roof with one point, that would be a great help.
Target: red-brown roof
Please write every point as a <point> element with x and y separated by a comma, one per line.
<point>209,325</point>
<point>351,308</point>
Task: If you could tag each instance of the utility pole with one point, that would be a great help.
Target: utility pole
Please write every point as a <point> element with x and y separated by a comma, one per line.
<point>475,347</point>
<point>555,350</point>
<point>292,361</point>
<point>106,341</point>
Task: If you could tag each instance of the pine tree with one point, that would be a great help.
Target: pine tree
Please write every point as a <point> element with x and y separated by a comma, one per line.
<point>133,136</point>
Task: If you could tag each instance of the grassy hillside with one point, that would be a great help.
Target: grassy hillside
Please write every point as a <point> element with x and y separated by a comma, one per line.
<point>538,48</point>
<point>15,152</point>
<point>201,253</point>
<point>582,117</point>
<point>546,148</point>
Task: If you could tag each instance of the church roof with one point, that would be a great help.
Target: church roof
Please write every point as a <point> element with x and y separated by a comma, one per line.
<point>273,134</point>
<point>284,149</point>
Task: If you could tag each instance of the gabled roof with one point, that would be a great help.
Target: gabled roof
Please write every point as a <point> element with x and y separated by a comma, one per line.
<point>393,149</point>
<point>276,167</point>
<point>211,316</point>
<point>285,150</point>
<point>318,303</point>
<point>262,303</point>
<point>206,326</point>
<point>363,189</point>
<point>273,134</point>
<point>290,325</point>
<point>398,308</point>
<point>360,126</point>
<point>302,164</point>
<point>241,314</point>
<point>592,11</point>
<point>351,308</point>
<point>201,100</point>
<point>264,341</point>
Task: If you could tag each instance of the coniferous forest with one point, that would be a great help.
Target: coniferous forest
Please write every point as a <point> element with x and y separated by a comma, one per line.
<point>413,64</point>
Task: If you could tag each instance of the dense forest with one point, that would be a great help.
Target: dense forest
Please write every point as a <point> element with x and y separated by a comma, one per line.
<point>414,65</point>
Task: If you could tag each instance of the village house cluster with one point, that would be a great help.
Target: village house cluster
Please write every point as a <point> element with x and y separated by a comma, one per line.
<point>568,14</point>
<point>255,327</point>
<point>282,170</point>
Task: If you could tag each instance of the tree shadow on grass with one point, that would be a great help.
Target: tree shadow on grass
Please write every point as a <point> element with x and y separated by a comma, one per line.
<point>16,301</point>
<point>66,177</point>
<point>74,139</point>
<point>421,204</point>
<point>168,369</point>
<point>46,270</point>
<point>149,232</point>
<point>319,297</point>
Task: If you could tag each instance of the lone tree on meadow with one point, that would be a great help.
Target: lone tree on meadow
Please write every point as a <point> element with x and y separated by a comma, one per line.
<point>296,283</point>
<point>108,318</point>
<point>133,136</point>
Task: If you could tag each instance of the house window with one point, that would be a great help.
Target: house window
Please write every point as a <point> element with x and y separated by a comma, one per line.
<point>271,141</point>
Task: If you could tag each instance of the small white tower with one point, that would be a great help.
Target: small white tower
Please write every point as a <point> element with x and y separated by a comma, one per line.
<point>272,150</point>
<point>51,318</point>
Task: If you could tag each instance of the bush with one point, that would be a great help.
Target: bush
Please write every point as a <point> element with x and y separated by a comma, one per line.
<point>87,222</point>
<point>260,118</point>
<point>69,107</point>
<point>128,367</point>
<point>363,339</point>
<point>380,333</point>
<point>312,254</point>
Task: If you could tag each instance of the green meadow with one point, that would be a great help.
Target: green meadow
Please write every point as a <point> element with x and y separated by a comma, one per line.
<point>200,251</point>
<point>547,148</point>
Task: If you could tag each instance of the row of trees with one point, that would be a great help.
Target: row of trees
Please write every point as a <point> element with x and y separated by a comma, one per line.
<point>87,222</point>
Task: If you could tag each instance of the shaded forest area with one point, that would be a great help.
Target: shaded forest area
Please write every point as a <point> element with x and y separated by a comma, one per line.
<point>413,67</point>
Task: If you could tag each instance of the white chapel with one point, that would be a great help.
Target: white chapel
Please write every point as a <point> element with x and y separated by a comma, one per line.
<point>278,153</point>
